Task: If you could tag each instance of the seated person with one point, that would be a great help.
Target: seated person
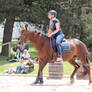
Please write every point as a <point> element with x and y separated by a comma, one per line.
<point>20,67</point>
<point>24,57</point>
<point>23,47</point>
<point>20,47</point>
<point>18,55</point>
<point>29,67</point>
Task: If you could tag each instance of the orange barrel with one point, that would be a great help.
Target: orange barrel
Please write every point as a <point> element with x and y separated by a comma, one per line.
<point>56,70</point>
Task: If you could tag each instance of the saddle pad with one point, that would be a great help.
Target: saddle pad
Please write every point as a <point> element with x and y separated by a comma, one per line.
<point>65,46</point>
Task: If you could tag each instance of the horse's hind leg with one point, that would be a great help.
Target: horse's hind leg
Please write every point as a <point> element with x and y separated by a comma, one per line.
<point>89,73</point>
<point>76,66</point>
<point>86,64</point>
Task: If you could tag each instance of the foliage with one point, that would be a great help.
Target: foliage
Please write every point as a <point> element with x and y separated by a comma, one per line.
<point>74,15</point>
<point>9,8</point>
<point>71,14</point>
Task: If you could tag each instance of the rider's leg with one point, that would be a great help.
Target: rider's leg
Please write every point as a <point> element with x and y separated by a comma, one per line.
<point>59,39</point>
<point>51,43</point>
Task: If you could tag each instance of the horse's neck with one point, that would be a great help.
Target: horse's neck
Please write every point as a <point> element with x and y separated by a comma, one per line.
<point>36,44</point>
<point>36,41</point>
<point>42,44</point>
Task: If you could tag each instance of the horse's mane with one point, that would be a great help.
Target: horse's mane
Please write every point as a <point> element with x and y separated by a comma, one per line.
<point>39,34</point>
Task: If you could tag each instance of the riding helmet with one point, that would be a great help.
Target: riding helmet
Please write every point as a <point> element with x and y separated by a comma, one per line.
<point>52,12</point>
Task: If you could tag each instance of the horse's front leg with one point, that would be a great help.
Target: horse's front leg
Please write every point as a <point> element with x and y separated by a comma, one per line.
<point>39,78</point>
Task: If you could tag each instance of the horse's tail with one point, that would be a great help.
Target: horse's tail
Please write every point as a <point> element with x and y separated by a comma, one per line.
<point>85,72</point>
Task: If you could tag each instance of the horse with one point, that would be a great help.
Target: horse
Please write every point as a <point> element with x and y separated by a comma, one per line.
<point>45,54</point>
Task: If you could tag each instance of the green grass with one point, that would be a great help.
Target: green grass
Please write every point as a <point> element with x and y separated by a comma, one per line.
<point>5,65</point>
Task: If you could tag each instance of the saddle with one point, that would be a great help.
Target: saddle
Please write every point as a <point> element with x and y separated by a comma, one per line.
<point>64,45</point>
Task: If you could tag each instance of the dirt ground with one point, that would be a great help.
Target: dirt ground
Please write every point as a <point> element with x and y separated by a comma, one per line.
<point>24,84</point>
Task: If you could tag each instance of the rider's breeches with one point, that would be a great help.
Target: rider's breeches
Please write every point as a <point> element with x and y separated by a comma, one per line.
<point>58,40</point>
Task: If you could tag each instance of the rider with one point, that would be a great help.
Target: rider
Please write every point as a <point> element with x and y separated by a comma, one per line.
<point>55,31</point>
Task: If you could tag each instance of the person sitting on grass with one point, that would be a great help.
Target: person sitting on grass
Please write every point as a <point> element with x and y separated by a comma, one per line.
<point>20,67</point>
<point>18,55</point>
<point>24,57</point>
<point>29,67</point>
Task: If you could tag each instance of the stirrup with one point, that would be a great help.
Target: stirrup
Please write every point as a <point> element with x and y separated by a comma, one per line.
<point>59,59</point>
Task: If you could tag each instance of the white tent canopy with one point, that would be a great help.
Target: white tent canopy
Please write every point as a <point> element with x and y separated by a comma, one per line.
<point>16,29</point>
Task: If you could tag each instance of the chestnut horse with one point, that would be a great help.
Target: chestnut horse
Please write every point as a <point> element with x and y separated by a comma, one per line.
<point>42,43</point>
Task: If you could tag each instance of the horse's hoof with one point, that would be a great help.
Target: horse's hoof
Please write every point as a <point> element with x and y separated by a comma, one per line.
<point>34,83</point>
<point>41,82</point>
<point>71,81</point>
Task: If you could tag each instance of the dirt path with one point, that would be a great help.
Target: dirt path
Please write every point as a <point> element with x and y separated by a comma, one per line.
<point>23,84</point>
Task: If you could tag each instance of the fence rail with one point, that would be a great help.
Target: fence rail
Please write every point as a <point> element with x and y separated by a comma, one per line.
<point>8,43</point>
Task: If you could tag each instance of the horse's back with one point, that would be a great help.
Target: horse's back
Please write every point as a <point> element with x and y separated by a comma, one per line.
<point>76,42</point>
<point>78,46</point>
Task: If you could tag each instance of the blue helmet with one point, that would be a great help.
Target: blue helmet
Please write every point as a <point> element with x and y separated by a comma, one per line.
<point>52,12</point>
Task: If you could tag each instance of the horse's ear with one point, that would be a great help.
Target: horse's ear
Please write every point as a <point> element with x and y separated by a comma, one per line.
<point>26,27</point>
<point>23,28</point>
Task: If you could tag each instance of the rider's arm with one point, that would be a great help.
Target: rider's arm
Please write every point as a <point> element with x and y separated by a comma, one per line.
<point>50,31</point>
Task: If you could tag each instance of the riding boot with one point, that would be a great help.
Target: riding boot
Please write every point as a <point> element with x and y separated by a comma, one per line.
<point>60,59</point>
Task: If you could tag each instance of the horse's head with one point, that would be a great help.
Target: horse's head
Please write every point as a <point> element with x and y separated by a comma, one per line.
<point>24,35</point>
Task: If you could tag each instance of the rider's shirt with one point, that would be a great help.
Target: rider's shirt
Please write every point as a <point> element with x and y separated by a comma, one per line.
<point>53,27</point>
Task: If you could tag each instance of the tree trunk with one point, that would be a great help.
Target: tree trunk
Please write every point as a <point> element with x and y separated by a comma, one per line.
<point>7,36</point>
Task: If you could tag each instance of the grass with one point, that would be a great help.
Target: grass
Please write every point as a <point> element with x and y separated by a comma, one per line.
<point>5,65</point>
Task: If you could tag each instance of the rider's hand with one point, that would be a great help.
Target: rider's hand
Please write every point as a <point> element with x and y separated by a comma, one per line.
<point>49,35</point>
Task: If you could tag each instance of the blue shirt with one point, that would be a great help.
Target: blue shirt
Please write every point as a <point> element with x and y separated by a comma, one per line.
<point>53,27</point>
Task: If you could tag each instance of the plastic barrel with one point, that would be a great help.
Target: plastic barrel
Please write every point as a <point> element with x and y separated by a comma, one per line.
<point>56,70</point>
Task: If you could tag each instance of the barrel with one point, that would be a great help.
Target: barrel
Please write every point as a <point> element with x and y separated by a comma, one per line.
<point>56,70</point>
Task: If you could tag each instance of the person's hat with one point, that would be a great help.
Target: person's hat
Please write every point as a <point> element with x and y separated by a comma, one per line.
<point>52,12</point>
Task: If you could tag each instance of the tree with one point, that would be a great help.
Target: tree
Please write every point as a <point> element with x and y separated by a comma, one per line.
<point>70,14</point>
<point>9,10</point>
<point>7,35</point>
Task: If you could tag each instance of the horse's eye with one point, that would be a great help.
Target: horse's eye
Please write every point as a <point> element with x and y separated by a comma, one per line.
<point>22,31</point>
